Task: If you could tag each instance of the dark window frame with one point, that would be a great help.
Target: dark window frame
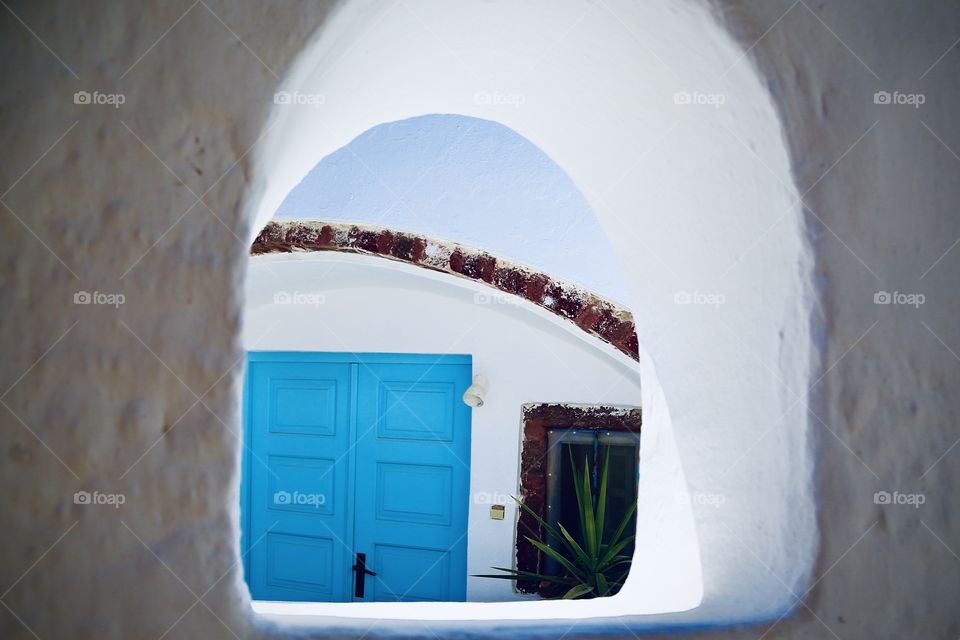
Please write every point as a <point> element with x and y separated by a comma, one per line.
<point>538,420</point>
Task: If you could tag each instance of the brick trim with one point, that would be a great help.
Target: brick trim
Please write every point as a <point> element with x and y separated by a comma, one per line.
<point>591,313</point>
<point>537,420</point>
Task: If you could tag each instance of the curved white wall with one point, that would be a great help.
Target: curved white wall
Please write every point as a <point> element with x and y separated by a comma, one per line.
<point>681,156</point>
<point>469,180</point>
<point>355,303</point>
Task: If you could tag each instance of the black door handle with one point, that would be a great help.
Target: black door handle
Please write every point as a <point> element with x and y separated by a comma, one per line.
<point>360,572</point>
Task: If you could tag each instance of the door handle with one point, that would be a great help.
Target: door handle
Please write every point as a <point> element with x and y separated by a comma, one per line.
<point>360,572</point>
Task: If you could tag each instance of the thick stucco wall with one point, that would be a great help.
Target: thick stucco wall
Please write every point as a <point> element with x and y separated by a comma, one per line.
<point>94,202</point>
<point>880,182</point>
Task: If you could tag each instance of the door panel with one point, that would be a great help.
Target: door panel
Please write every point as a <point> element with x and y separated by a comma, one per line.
<point>299,422</point>
<point>412,493</point>
<point>300,563</point>
<point>410,574</point>
<point>415,410</point>
<point>421,494</point>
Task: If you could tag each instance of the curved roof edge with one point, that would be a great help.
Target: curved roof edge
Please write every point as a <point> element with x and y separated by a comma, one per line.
<point>590,312</point>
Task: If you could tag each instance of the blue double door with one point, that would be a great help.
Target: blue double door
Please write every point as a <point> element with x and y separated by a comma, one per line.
<point>356,477</point>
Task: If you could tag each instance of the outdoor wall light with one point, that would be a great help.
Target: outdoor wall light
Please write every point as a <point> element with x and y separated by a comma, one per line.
<point>476,392</point>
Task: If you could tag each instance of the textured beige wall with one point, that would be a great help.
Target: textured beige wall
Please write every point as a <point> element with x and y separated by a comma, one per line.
<point>88,390</point>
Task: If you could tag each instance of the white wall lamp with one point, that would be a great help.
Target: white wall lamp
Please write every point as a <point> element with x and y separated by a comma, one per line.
<point>476,392</point>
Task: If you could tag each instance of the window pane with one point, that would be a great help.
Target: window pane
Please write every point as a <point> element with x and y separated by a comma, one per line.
<point>621,485</point>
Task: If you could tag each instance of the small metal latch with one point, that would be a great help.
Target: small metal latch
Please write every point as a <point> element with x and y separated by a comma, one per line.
<point>360,572</point>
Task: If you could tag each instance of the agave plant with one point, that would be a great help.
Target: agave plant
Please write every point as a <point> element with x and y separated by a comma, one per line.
<point>592,567</point>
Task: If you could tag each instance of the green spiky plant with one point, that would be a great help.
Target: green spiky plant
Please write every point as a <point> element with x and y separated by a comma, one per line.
<point>592,567</point>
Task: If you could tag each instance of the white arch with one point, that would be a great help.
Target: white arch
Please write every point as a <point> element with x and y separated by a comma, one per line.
<point>680,153</point>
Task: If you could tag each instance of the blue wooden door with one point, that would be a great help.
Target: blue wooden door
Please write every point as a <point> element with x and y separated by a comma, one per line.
<point>298,427</point>
<point>413,474</point>
<point>351,454</point>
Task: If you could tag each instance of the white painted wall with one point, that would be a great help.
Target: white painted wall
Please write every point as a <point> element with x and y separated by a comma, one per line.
<point>662,122</point>
<point>468,180</point>
<point>355,303</point>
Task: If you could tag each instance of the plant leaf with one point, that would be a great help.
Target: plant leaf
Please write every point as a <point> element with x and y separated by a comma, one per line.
<point>623,523</point>
<point>578,572</point>
<point>581,483</point>
<point>602,498</point>
<point>576,492</point>
<point>514,574</point>
<point>550,529</point>
<point>577,591</point>
<point>615,549</point>
<point>618,561</point>
<point>576,548</point>
<point>602,586</point>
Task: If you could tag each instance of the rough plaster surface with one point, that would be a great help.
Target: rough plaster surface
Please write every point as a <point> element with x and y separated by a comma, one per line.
<point>89,389</point>
<point>884,218</point>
